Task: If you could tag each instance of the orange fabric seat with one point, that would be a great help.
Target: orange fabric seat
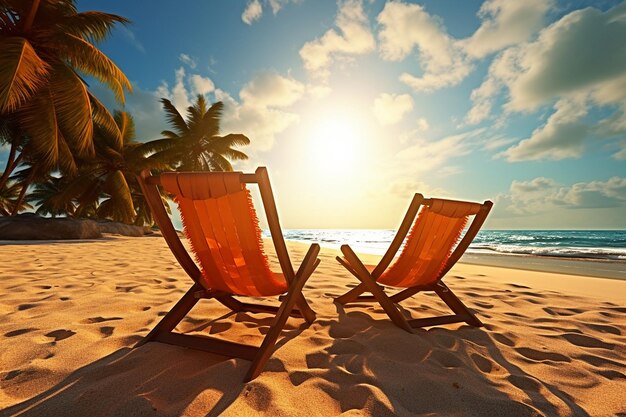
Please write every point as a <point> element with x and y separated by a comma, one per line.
<point>222,226</point>
<point>429,244</point>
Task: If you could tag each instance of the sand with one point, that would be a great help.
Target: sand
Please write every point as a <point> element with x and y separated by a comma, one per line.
<point>553,345</point>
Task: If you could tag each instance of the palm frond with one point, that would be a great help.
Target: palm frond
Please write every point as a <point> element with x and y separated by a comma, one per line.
<point>87,58</point>
<point>169,134</point>
<point>39,121</point>
<point>230,140</point>
<point>221,163</point>
<point>126,124</point>
<point>22,73</point>
<point>233,154</point>
<point>94,26</point>
<point>73,109</point>
<point>104,121</point>
<point>66,163</point>
<point>211,119</point>
<point>174,118</point>
<point>121,201</point>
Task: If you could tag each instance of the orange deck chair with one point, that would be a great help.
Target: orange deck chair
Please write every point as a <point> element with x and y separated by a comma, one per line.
<point>222,227</point>
<point>428,254</point>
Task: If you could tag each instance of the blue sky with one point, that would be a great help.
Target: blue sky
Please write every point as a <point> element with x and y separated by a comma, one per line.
<point>355,105</point>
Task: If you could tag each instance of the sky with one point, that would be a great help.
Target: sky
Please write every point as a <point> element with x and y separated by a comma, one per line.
<point>355,105</point>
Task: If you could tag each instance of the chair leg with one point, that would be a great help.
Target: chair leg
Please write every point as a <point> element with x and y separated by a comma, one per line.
<point>311,262</point>
<point>385,302</point>
<point>456,305</point>
<point>351,295</point>
<point>174,316</point>
<point>354,292</point>
<point>294,294</point>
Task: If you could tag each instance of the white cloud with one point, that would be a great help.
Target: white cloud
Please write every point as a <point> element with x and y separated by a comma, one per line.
<point>561,137</point>
<point>425,155</point>
<point>505,23</point>
<point>422,124</point>
<point>407,187</point>
<point>201,85</point>
<point>272,90</point>
<point>564,60</point>
<point>353,38</point>
<point>389,109</point>
<point>252,12</point>
<point>261,114</point>
<point>277,5</point>
<point>188,60</point>
<point>405,27</point>
<point>562,66</point>
<point>542,194</point>
<point>178,95</point>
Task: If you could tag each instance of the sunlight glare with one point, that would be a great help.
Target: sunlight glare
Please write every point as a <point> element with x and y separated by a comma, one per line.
<point>336,146</point>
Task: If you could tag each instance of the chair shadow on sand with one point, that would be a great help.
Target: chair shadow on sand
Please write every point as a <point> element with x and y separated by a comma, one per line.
<point>147,380</point>
<point>452,370</point>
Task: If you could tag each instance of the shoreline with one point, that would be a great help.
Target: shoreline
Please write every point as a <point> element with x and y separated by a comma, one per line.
<point>587,267</point>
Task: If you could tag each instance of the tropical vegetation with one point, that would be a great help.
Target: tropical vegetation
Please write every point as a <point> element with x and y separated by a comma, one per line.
<point>67,154</point>
<point>194,144</point>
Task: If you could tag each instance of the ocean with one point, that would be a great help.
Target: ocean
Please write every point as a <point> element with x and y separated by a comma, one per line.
<point>583,244</point>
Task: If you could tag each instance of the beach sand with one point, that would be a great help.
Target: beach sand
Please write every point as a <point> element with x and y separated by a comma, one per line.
<point>552,345</point>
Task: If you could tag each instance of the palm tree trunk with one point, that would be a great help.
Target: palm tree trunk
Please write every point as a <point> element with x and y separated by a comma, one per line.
<point>25,186</point>
<point>31,15</point>
<point>11,164</point>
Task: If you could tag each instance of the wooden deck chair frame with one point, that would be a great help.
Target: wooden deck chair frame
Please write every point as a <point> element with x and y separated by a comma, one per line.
<point>163,331</point>
<point>368,279</point>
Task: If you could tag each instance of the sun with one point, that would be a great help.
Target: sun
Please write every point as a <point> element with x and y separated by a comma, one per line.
<point>336,144</point>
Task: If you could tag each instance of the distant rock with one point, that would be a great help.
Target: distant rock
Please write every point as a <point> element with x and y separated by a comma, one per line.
<point>123,229</point>
<point>33,227</point>
<point>29,226</point>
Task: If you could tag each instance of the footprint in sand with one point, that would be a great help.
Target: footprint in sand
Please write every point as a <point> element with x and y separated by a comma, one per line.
<point>298,377</point>
<point>99,319</point>
<point>482,363</point>
<point>537,355</point>
<point>318,360</point>
<point>598,361</point>
<point>612,375</point>
<point>23,307</point>
<point>60,334</point>
<point>518,286</point>
<point>503,339</point>
<point>19,332</point>
<point>107,330</point>
<point>587,341</point>
<point>447,359</point>
<point>11,374</point>
<point>563,311</point>
<point>258,396</point>
<point>604,328</point>
<point>525,383</point>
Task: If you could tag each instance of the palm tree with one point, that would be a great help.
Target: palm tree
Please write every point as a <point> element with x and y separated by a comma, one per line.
<point>194,144</point>
<point>8,198</point>
<point>108,181</point>
<point>49,198</point>
<point>46,46</point>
